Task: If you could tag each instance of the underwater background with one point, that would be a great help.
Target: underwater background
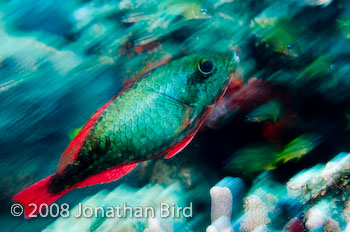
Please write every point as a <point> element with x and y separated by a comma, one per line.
<point>273,154</point>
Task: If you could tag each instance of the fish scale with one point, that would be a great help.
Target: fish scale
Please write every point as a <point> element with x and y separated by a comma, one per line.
<point>162,132</point>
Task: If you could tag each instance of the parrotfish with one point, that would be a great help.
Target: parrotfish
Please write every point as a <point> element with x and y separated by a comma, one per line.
<point>157,115</point>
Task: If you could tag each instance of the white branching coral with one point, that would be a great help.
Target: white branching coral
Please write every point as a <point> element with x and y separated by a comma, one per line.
<point>223,194</point>
<point>221,202</point>
<point>319,218</point>
<point>255,216</point>
<point>221,210</point>
<point>316,181</point>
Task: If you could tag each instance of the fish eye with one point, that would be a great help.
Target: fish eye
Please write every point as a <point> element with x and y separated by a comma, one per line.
<point>206,66</point>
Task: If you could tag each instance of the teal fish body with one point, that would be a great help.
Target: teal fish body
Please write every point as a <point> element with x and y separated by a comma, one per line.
<point>157,115</point>
<point>158,111</point>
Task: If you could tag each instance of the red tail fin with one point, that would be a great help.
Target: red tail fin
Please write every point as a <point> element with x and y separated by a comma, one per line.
<point>37,194</point>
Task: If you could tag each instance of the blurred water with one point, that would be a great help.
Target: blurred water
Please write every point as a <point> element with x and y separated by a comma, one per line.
<point>62,60</point>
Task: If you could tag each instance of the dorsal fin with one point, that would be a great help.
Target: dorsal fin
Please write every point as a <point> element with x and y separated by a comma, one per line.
<point>72,151</point>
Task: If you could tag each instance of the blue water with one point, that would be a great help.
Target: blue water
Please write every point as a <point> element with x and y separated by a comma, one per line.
<point>62,60</point>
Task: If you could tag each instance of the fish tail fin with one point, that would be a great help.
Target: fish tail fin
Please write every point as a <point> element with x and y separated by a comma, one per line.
<point>36,195</point>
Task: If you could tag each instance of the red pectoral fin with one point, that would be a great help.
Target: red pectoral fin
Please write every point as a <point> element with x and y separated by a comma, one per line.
<point>109,175</point>
<point>180,146</point>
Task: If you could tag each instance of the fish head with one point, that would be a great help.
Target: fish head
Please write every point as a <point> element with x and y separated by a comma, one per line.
<point>201,79</point>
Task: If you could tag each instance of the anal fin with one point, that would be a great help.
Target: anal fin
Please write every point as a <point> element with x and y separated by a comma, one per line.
<point>108,175</point>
